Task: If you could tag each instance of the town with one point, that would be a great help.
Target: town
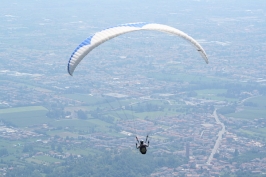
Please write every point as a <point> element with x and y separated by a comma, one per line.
<point>212,116</point>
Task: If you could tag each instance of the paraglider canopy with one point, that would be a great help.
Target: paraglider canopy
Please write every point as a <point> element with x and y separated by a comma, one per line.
<point>100,37</point>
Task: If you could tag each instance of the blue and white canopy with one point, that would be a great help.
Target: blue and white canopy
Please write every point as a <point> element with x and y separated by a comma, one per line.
<point>100,37</point>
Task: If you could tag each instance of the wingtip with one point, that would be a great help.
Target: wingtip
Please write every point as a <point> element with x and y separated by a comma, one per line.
<point>71,74</point>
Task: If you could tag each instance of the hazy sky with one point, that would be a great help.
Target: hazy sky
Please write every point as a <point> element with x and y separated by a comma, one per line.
<point>61,25</point>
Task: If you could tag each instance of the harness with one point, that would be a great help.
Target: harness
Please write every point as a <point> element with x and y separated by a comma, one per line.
<point>143,149</point>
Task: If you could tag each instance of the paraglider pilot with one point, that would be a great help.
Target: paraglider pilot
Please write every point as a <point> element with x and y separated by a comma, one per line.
<point>142,146</point>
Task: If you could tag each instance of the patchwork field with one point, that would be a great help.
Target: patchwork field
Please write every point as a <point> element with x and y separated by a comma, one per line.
<point>25,116</point>
<point>252,112</point>
<point>214,94</point>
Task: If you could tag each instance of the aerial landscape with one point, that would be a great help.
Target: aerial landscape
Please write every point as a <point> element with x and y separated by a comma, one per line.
<point>201,118</point>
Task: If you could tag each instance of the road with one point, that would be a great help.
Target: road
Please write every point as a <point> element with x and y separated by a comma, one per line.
<point>219,139</point>
<point>241,102</point>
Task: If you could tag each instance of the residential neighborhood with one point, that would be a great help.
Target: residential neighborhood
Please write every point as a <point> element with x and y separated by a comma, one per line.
<point>208,118</point>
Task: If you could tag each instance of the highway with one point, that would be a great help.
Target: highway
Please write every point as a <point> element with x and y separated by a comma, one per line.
<point>219,139</point>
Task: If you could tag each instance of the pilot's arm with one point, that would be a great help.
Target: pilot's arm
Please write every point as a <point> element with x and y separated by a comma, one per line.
<point>137,146</point>
<point>137,139</point>
<point>148,144</point>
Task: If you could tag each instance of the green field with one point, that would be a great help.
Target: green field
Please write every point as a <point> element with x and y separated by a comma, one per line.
<point>22,109</point>
<point>25,116</point>
<point>254,132</point>
<point>261,131</point>
<point>88,99</point>
<point>72,123</point>
<point>97,122</point>
<point>12,147</point>
<point>63,134</point>
<point>43,159</point>
<point>108,107</point>
<point>250,113</point>
<point>259,101</point>
<point>247,112</point>
<point>155,114</point>
<point>78,125</point>
<point>83,151</point>
<point>24,83</point>
<point>213,94</point>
